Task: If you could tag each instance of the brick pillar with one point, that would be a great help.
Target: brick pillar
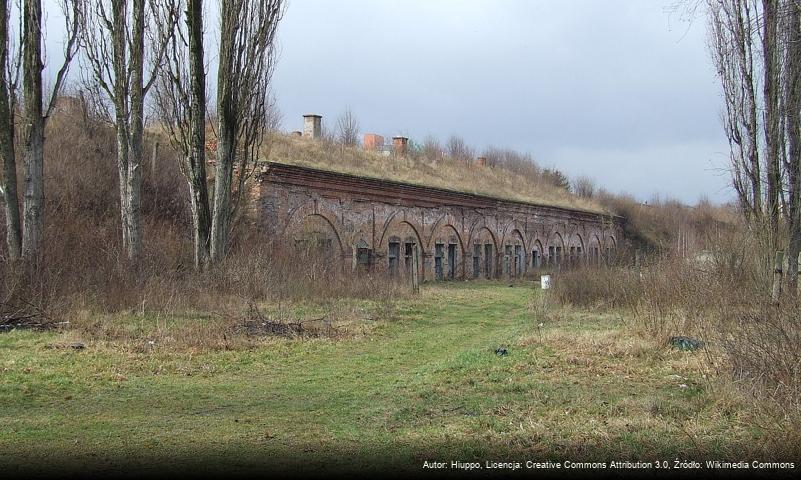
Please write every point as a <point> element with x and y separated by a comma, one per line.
<point>373,141</point>
<point>312,126</point>
<point>399,145</point>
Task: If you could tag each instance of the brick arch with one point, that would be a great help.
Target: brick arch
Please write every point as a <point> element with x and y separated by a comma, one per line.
<point>444,222</point>
<point>446,227</point>
<point>400,228</point>
<point>362,233</point>
<point>393,222</point>
<point>515,233</point>
<point>594,242</point>
<point>556,239</point>
<point>536,237</point>
<point>477,226</point>
<point>301,215</point>
<point>536,243</point>
<point>576,240</point>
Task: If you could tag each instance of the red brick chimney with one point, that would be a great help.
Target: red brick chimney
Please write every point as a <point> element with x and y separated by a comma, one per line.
<point>399,145</point>
<point>373,141</point>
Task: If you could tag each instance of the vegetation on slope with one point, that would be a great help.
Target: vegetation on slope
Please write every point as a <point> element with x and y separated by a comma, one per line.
<point>526,184</point>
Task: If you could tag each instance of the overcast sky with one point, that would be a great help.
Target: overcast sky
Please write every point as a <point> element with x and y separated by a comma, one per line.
<point>622,91</point>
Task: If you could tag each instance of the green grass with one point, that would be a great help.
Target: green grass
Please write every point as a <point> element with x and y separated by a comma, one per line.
<point>424,385</point>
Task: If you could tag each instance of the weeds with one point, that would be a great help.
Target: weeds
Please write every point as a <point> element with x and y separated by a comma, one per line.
<point>721,296</point>
<point>85,283</point>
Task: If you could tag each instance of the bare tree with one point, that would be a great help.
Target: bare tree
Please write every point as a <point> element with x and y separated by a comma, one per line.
<point>114,36</point>
<point>348,128</point>
<point>8,87</point>
<point>432,149</point>
<point>773,134</point>
<point>756,45</point>
<point>245,110</point>
<point>556,178</point>
<point>733,34</point>
<point>246,61</point>
<point>34,116</point>
<point>791,29</point>
<point>584,187</point>
<point>458,149</point>
<point>184,117</point>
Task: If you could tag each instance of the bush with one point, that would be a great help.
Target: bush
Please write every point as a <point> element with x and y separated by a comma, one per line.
<point>612,287</point>
<point>85,270</point>
<point>721,295</point>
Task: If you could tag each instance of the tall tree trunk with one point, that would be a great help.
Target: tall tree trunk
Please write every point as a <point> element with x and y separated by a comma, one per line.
<point>198,188</point>
<point>7,154</point>
<point>773,133</point>
<point>134,185</point>
<point>226,128</point>
<point>129,93</point>
<point>793,166</point>
<point>120,100</point>
<point>33,137</point>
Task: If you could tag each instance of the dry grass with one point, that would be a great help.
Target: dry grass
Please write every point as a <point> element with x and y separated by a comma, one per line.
<point>643,386</point>
<point>426,385</point>
<point>85,280</point>
<point>722,298</point>
<point>416,168</point>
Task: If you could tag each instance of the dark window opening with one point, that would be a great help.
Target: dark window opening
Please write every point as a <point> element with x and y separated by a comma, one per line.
<point>394,253</point>
<point>439,250</point>
<point>488,260</point>
<point>451,261</point>
<point>363,259</point>
<point>551,256</point>
<point>518,260</point>
<point>408,253</point>
<point>558,256</point>
<point>535,259</point>
<point>507,258</point>
<point>476,260</point>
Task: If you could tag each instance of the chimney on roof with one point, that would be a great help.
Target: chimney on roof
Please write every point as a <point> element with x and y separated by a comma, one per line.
<point>399,145</point>
<point>312,126</point>
<point>481,161</point>
<point>373,142</point>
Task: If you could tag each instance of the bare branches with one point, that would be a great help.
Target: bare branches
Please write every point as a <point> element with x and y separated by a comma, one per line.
<point>181,104</point>
<point>71,10</point>
<point>733,32</point>
<point>247,59</point>
<point>348,128</point>
<point>119,37</point>
<point>97,23</point>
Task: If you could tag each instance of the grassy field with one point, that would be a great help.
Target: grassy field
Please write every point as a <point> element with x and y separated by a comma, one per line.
<point>422,385</point>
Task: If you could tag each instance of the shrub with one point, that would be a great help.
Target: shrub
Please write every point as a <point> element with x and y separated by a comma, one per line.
<point>721,295</point>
